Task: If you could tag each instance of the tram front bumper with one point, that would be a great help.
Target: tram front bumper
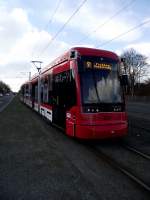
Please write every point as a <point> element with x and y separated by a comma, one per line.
<point>101,131</point>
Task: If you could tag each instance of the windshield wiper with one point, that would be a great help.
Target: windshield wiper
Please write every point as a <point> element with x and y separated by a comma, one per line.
<point>94,79</point>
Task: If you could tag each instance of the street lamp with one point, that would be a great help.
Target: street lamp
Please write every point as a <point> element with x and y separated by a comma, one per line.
<point>38,64</point>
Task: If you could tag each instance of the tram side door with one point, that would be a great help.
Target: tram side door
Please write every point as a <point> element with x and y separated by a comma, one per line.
<point>59,114</point>
<point>64,97</point>
<point>59,109</point>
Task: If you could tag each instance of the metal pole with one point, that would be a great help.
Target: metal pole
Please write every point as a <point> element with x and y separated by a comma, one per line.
<point>39,81</point>
<point>29,76</point>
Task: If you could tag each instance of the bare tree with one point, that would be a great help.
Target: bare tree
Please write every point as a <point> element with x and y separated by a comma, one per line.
<point>136,66</point>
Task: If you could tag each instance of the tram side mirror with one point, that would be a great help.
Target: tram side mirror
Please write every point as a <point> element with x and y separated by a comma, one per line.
<point>73,54</point>
<point>123,59</point>
<point>123,75</point>
<point>124,79</point>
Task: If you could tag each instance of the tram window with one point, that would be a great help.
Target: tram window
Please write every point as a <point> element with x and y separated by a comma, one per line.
<point>36,93</point>
<point>30,90</point>
<point>65,89</point>
<point>50,81</point>
<point>42,89</point>
<point>33,92</point>
<point>45,93</point>
<point>27,91</point>
<point>71,91</point>
<point>50,89</point>
<point>22,90</point>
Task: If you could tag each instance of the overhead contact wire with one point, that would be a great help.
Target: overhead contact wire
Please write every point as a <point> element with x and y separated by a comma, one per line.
<point>107,21</point>
<point>63,26</point>
<point>124,33</point>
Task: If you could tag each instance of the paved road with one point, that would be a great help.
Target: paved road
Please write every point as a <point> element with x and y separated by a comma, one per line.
<point>139,110</point>
<point>4,101</point>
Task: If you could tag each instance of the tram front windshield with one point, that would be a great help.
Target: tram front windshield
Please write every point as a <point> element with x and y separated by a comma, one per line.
<point>100,81</point>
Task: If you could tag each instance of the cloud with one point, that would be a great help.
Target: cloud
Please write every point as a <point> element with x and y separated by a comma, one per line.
<point>90,17</point>
<point>13,25</point>
<point>21,42</point>
<point>141,47</point>
<point>23,38</point>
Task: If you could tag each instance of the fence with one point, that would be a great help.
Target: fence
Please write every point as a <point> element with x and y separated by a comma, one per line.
<point>145,99</point>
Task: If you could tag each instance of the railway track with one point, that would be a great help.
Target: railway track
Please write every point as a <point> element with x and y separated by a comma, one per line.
<point>120,167</point>
<point>136,151</point>
<point>133,126</point>
<point>140,128</point>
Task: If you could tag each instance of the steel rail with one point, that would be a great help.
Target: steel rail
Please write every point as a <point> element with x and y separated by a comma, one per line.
<point>119,167</point>
<point>136,151</point>
<point>131,125</point>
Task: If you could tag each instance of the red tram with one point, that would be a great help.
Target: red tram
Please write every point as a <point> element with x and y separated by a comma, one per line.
<point>81,92</point>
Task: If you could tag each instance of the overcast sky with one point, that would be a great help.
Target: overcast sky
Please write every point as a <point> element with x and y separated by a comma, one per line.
<point>26,29</point>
